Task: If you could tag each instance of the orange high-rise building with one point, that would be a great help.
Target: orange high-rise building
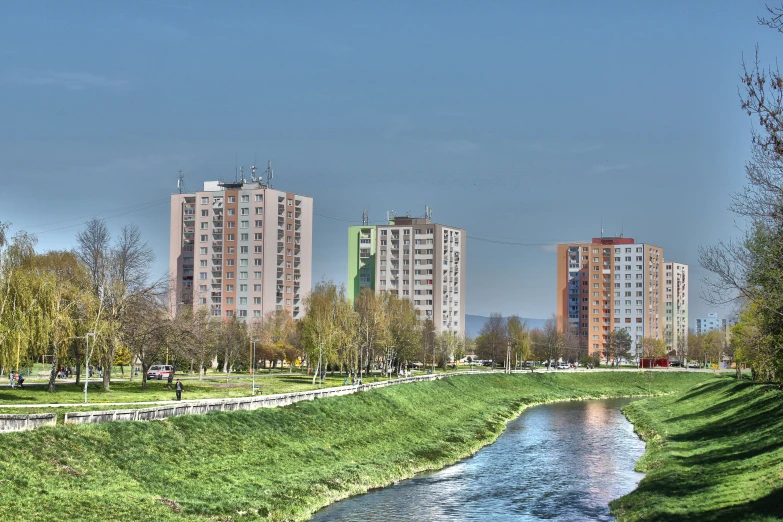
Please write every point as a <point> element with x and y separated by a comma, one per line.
<point>609,284</point>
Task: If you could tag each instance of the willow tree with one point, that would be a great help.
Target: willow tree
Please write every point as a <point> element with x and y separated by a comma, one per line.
<point>64,298</point>
<point>19,305</point>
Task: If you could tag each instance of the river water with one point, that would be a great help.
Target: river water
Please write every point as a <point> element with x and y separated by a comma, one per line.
<point>563,461</point>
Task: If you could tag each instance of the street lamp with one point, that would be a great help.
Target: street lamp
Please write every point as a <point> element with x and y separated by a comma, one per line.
<point>254,368</point>
<point>87,363</point>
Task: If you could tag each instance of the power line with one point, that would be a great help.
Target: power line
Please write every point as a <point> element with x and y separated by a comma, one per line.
<point>107,217</point>
<point>98,214</point>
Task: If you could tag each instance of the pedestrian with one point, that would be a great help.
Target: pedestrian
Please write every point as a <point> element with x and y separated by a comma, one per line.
<point>11,379</point>
<point>19,380</point>
<point>178,388</point>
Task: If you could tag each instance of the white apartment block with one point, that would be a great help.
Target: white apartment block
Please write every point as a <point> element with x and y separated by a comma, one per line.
<point>425,262</point>
<point>710,323</point>
<point>242,249</point>
<point>676,306</point>
<point>638,300</point>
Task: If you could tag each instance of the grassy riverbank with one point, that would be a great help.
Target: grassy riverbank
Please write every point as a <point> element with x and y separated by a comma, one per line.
<point>713,453</point>
<point>282,463</point>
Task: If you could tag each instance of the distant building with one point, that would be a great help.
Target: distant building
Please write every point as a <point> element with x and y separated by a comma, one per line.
<point>710,323</point>
<point>676,306</point>
<point>412,258</point>
<point>241,249</point>
<point>611,283</point>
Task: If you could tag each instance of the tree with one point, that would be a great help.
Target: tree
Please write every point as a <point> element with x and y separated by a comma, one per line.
<point>519,339</point>
<point>748,269</point>
<point>429,340</point>
<point>321,325</point>
<point>372,325</point>
<point>403,329</point>
<point>491,342</point>
<point>275,334</point>
<point>147,330</point>
<point>650,347</point>
<point>232,343</point>
<point>619,346</point>
<point>199,335</point>
<point>118,271</point>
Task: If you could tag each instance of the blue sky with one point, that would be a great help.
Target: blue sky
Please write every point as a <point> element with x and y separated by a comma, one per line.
<point>504,117</point>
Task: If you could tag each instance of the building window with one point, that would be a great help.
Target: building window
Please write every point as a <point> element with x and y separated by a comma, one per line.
<point>257,275</point>
<point>259,197</point>
<point>232,199</point>
<point>245,198</point>
<point>205,201</point>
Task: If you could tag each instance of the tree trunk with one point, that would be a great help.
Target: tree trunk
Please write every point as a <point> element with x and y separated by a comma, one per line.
<point>143,376</point>
<point>53,373</point>
<point>200,369</point>
<point>78,368</point>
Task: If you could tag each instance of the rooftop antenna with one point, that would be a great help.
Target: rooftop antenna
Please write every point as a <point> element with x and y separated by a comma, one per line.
<point>253,172</point>
<point>602,226</point>
<point>181,181</point>
<point>236,167</point>
<point>365,217</point>
<point>242,174</point>
<point>427,212</point>
<point>269,173</point>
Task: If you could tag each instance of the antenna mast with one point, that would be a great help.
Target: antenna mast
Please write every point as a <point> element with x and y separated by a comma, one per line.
<point>181,181</point>
<point>365,217</point>
<point>269,173</point>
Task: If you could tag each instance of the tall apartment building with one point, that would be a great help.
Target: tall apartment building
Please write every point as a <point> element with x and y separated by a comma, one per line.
<point>242,249</point>
<point>608,284</point>
<point>416,259</point>
<point>676,306</point>
<point>709,323</point>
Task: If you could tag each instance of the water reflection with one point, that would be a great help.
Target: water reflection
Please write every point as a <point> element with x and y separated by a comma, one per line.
<point>562,461</point>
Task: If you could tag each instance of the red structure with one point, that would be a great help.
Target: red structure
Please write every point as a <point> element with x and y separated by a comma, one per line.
<point>654,362</point>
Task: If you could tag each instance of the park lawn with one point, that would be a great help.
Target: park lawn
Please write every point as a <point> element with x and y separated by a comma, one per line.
<point>284,463</point>
<point>70,393</point>
<point>713,453</point>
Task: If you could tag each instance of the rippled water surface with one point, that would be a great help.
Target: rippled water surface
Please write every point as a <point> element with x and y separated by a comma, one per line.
<point>562,461</point>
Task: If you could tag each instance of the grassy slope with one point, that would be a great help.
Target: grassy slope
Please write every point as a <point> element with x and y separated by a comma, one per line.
<point>714,453</point>
<point>282,463</point>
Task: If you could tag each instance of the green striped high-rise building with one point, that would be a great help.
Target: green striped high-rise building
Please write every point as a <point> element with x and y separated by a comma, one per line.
<point>416,259</point>
<point>361,259</point>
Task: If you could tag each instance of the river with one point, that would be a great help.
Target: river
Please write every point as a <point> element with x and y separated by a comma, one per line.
<point>562,461</point>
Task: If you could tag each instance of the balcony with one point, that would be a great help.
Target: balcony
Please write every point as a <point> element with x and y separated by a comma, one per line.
<point>217,268</point>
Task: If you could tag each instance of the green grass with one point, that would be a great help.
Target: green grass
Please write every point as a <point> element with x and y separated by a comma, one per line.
<point>70,393</point>
<point>284,463</point>
<point>713,453</point>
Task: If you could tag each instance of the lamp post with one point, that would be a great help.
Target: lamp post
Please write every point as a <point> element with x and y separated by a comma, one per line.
<point>254,368</point>
<point>87,363</point>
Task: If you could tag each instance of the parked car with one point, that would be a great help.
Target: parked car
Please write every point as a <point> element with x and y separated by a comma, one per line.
<point>563,366</point>
<point>693,364</point>
<point>159,371</point>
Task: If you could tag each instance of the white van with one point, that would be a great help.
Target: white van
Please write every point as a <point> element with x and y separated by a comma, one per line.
<point>159,371</point>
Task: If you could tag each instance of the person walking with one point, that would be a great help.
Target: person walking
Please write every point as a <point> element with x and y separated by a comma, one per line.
<point>178,388</point>
<point>12,381</point>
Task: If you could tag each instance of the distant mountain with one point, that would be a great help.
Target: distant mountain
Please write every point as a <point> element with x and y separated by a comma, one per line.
<point>473,323</point>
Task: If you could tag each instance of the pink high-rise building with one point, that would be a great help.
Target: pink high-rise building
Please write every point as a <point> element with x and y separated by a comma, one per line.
<point>241,249</point>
